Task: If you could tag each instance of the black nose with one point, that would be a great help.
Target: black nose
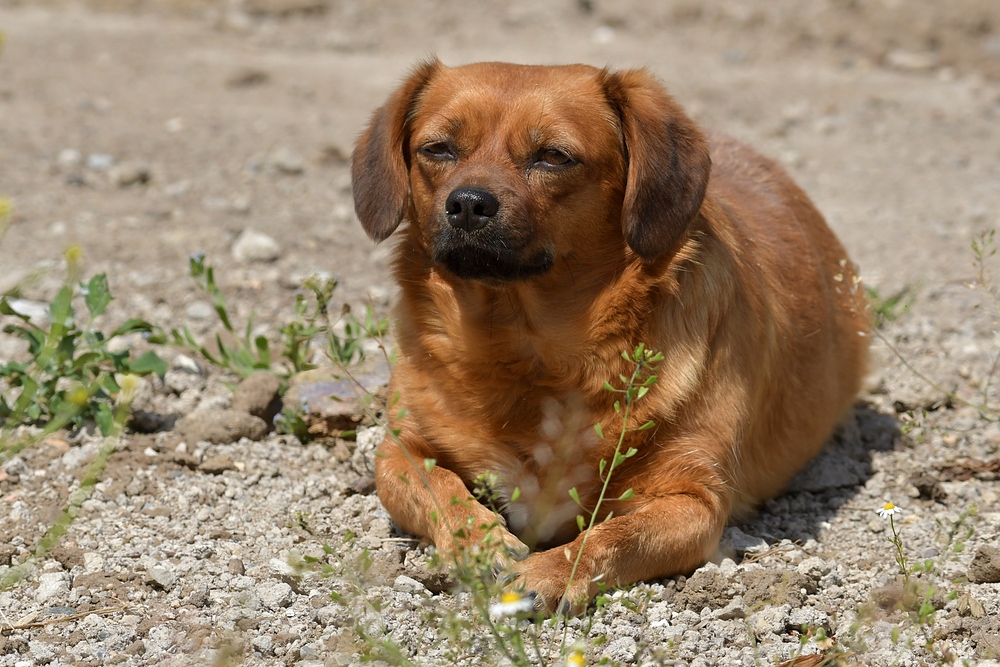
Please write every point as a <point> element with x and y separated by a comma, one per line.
<point>470,209</point>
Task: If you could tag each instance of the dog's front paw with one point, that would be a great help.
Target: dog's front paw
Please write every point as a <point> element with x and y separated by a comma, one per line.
<point>550,576</point>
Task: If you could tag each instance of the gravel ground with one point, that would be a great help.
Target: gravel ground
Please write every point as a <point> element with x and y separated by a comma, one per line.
<point>147,131</point>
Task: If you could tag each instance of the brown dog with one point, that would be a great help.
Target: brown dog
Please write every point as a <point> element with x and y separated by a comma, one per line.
<point>556,217</point>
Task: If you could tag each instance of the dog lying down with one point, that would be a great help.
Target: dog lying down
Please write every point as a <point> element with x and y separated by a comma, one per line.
<point>554,217</point>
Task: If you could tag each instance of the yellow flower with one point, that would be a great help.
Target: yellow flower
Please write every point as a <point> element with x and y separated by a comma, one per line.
<point>575,659</point>
<point>888,510</point>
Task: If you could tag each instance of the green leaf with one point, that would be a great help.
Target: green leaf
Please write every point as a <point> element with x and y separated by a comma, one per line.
<point>580,523</point>
<point>642,392</point>
<point>628,495</point>
<point>648,425</point>
<point>515,495</point>
<point>599,430</point>
<point>150,362</point>
<point>263,351</point>
<point>61,309</point>
<point>602,466</point>
<point>632,451</point>
<point>133,325</point>
<point>104,418</point>
<point>96,294</point>
<point>429,464</point>
<point>608,387</point>
<point>574,495</point>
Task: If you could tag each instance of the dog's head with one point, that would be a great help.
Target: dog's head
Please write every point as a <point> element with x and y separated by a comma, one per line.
<point>505,169</point>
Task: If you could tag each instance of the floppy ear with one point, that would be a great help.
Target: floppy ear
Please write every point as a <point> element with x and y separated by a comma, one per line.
<point>380,164</point>
<point>668,162</point>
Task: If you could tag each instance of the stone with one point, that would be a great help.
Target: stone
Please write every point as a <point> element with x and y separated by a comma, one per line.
<point>405,584</point>
<point>736,609</point>
<point>287,161</point>
<point>41,652</point>
<point>162,576</point>
<point>985,566</point>
<point>130,173</point>
<point>770,620</point>
<point>220,426</point>
<point>199,310</point>
<point>275,595</point>
<point>258,395</point>
<point>184,374</point>
<point>218,464</point>
<point>736,541</point>
<point>236,566</point>
<point>51,586</point>
<point>621,651</point>
<point>100,161</point>
<point>328,400</point>
<point>254,246</point>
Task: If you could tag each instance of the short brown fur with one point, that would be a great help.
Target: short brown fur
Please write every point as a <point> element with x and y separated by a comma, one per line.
<point>656,233</point>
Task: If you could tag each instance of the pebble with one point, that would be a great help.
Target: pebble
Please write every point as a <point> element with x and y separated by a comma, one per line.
<point>130,173</point>
<point>199,310</point>
<point>254,246</point>
<point>275,594</point>
<point>220,426</point>
<point>162,576</point>
<point>51,586</point>
<point>69,158</point>
<point>100,161</point>
<point>218,464</point>
<point>737,608</point>
<point>770,620</point>
<point>258,395</point>
<point>287,161</point>
<point>738,541</point>
<point>985,565</point>
<point>405,584</point>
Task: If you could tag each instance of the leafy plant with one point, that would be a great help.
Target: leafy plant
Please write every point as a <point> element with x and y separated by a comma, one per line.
<point>297,338</point>
<point>72,374</point>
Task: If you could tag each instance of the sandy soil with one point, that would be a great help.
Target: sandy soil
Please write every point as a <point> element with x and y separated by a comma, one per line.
<point>146,131</point>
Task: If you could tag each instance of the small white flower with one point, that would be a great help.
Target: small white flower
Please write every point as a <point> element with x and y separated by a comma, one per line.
<point>575,659</point>
<point>888,510</point>
<point>513,603</point>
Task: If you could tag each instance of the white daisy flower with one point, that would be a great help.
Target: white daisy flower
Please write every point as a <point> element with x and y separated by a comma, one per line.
<point>888,510</point>
<point>513,603</point>
<point>575,659</point>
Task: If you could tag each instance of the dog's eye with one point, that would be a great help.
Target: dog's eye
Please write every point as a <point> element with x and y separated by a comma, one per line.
<point>554,158</point>
<point>439,150</point>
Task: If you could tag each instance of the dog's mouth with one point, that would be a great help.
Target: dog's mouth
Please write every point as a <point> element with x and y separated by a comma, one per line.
<point>486,255</point>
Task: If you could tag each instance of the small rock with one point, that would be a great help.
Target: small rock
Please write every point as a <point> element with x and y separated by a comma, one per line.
<point>735,540</point>
<point>287,161</point>
<point>275,595</point>
<point>771,620</point>
<point>254,246</point>
<point>41,652</point>
<point>912,60</point>
<point>405,584</point>
<point>281,568</point>
<point>737,608</point>
<point>7,552</point>
<point>69,158</point>
<point>162,576</point>
<point>198,599</point>
<point>808,617</point>
<point>100,161</point>
<point>258,395</point>
<point>621,651</point>
<point>51,586</point>
<point>263,643</point>
<point>130,173</point>
<point>236,566</point>
<point>220,426</point>
<point>199,310</point>
<point>218,464</point>
<point>184,374</point>
<point>985,565</point>
<point>328,400</point>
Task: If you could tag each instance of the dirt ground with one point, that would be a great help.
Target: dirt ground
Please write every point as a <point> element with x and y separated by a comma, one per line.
<point>145,131</point>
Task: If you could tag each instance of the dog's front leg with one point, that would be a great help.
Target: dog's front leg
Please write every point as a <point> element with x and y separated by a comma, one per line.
<point>665,536</point>
<point>430,501</point>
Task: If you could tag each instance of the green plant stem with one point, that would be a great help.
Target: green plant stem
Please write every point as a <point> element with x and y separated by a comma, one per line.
<point>604,489</point>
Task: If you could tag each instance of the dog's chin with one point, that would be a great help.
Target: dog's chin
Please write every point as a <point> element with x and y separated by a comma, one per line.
<point>492,265</point>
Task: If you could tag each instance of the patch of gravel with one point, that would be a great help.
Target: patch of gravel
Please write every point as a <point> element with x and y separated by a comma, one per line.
<point>187,548</point>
